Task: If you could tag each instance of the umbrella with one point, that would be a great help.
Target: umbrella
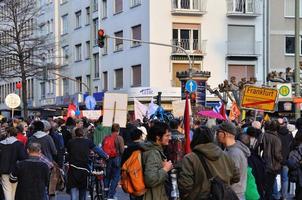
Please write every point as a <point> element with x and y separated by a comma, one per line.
<point>211,114</point>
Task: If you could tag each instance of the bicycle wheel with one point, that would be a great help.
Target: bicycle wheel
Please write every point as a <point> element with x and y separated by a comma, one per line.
<point>91,186</point>
<point>98,190</point>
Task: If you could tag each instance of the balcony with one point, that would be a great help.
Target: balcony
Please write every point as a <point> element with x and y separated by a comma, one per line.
<point>241,49</point>
<point>194,47</point>
<point>189,7</point>
<point>243,8</point>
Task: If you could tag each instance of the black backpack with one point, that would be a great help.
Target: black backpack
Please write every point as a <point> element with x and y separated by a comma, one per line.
<point>219,189</point>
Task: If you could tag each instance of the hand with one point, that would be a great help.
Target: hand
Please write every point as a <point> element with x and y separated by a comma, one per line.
<point>167,165</point>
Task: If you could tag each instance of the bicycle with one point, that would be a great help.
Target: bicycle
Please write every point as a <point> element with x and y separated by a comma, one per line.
<point>96,177</point>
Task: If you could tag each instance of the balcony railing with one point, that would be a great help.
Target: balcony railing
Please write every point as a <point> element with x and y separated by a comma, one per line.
<point>243,49</point>
<point>246,8</point>
<point>189,7</point>
<point>190,45</point>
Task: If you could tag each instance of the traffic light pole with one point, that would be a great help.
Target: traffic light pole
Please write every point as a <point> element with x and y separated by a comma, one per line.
<point>159,44</point>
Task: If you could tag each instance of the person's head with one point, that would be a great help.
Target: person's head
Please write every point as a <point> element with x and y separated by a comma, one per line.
<point>271,125</point>
<point>202,135</point>
<point>226,133</point>
<point>38,126</point>
<point>136,134</point>
<point>245,139</point>
<point>174,124</point>
<point>144,131</point>
<point>159,133</point>
<point>196,123</point>
<point>252,132</point>
<point>11,131</point>
<point>115,128</point>
<point>256,124</point>
<point>79,123</point>
<point>24,126</point>
<point>47,126</point>
<point>70,122</point>
<point>34,149</point>
<point>79,132</point>
<point>298,123</point>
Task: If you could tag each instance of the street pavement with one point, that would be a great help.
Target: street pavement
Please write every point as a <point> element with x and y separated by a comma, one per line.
<point>120,195</point>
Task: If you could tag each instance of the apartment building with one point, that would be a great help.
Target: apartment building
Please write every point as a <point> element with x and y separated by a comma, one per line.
<point>225,39</point>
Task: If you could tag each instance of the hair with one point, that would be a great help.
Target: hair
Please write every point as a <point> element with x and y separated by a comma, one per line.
<point>115,127</point>
<point>34,147</point>
<point>20,128</point>
<point>12,131</point>
<point>245,139</point>
<point>174,123</point>
<point>70,122</point>
<point>202,135</point>
<point>298,123</point>
<point>272,125</point>
<point>157,130</point>
<point>136,134</point>
<point>47,125</point>
<point>38,126</point>
<point>79,132</point>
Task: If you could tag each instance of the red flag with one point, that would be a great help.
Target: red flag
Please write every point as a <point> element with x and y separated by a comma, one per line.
<point>234,112</point>
<point>71,110</point>
<point>187,126</point>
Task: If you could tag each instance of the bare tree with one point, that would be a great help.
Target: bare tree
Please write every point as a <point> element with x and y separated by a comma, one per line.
<point>23,48</point>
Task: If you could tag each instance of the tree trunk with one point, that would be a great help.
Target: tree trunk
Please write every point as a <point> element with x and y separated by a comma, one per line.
<point>24,97</point>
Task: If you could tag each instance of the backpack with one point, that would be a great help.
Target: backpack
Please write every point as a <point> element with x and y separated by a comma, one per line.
<point>109,145</point>
<point>132,178</point>
<point>219,189</point>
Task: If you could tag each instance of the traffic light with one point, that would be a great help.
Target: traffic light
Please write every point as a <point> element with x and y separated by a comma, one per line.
<point>193,98</point>
<point>101,38</point>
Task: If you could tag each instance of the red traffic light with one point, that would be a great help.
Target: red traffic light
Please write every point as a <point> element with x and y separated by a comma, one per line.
<point>101,33</point>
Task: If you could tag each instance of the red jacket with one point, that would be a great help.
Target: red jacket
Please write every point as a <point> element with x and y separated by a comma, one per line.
<point>22,138</point>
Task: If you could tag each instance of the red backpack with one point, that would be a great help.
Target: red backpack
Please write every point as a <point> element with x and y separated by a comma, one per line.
<point>109,145</point>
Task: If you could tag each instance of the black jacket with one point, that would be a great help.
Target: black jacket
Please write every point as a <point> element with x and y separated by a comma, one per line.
<point>11,151</point>
<point>133,146</point>
<point>272,152</point>
<point>294,165</point>
<point>286,139</point>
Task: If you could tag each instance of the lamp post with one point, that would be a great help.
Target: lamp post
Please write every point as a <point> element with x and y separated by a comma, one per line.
<point>297,57</point>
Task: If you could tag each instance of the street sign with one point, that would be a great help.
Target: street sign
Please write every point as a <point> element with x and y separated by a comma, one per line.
<point>259,98</point>
<point>90,102</point>
<point>191,86</point>
<point>12,100</point>
<point>285,90</point>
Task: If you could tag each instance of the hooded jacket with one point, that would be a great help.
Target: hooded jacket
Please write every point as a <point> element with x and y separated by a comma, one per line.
<point>239,153</point>
<point>192,180</point>
<point>294,165</point>
<point>272,155</point>
<point>11,151</point>
<point>286,140</point>
<point>48,147</point>
<point>154,174</point>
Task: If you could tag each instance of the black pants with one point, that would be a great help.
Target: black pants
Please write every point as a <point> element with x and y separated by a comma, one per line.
<point>298,192</point>
<point>269,185</point>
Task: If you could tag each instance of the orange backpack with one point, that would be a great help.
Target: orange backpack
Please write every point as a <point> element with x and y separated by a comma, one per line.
<point>132,179</point>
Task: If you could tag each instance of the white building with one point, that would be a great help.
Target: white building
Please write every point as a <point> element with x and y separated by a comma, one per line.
<point>225,38</point>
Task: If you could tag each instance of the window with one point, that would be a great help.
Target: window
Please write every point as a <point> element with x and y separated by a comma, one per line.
<point>64,24</point>
<point>96,89</point>
<point>290,8</point>
<point>78,19</point>
<point>134,3</point>
<point>95,5</point>
<point>87,49</point>
<point>104,9</point>
<point>241,40</point>
<point>42,90</point>
<point>241,71</point>
<point>65,55</point>
<point>118,78</point>
<point>186,36</point>
<point>118,6</point>
<point>136,76</point>
<point>105,81</point>
<point>88,79</point>
<point>242,6</point>
<point>136,34</point>
<point>79,84</point>
<point>51,86</point>
<point>96,65</point>
<point>290,44</point>
<point>65,86</point>
<point>88,15</point>
<point>78,52</point>
<point>118,42</point>
<point>95,30</point>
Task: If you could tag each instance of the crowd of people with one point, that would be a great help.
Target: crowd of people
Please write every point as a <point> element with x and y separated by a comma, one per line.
<point>246,157</point>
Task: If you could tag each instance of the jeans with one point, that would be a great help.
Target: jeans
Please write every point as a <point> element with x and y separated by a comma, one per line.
<point>9,189</point>
<point>284,184</point>
<point>78,194</point>
<point>269,185</point>
<point>113,171</point>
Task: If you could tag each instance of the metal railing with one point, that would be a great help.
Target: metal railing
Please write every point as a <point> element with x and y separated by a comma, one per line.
<point>190,45</point>
<point>189,5</point>
<point>135,3</point>
<point>243,48</point>
<point>243,7</point>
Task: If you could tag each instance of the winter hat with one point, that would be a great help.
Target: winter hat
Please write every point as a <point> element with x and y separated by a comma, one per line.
<point>47,125</point>
<point>256,124</point>
<point>291,127</point>
<point>228,127</point>
<point>144,130</point>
